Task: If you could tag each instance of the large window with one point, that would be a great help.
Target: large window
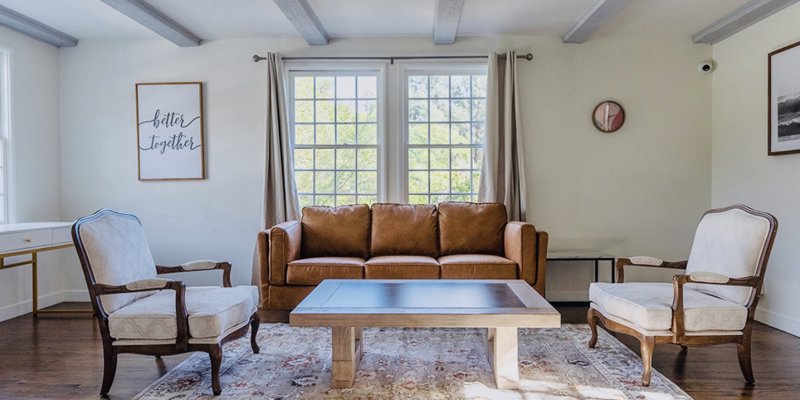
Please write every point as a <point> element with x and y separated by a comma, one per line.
<point>445,126</point>
<point>415,137</point>
<point>335,136</point>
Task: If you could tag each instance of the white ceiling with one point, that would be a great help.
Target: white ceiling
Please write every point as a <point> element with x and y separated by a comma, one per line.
<point>218,19</point>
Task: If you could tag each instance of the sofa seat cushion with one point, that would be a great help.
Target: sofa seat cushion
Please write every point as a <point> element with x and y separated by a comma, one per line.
<point>212,311</point>
<point>399,229</point>
<point>477,266</point>
<point>335,231</point>
<point>471,228</point>
<point>649,307</point>
<point>312,271</point>
<point>401,267</point>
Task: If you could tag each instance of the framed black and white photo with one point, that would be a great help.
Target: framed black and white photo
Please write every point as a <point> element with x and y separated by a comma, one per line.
<point>784,100</point>
<point>169,131</point>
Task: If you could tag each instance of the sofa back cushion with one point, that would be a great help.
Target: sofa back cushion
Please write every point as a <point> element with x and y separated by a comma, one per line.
<point>471,228</point>
<point>335,231</point>
<point>404,229</point>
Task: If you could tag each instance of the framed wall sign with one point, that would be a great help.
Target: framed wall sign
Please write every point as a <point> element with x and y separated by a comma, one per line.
<point>784,100</point>
<point>169,119</point>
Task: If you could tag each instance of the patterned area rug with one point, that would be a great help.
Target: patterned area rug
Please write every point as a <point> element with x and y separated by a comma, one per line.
<point>417,363</point>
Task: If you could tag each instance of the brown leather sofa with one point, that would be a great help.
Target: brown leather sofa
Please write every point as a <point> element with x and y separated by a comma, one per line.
<point>395,241</point>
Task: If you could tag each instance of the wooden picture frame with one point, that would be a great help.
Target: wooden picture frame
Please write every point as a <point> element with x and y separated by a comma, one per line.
<point>783,100</point>
<point>169,131</point>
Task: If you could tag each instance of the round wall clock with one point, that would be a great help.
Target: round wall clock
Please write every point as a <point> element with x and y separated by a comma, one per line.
<point>608,116</point>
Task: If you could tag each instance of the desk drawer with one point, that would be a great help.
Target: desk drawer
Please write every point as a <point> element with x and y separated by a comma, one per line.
<point>25,240</point>
<point>62,235</point>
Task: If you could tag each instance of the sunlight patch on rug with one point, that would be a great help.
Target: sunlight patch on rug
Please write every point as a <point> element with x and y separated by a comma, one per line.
<point>414,363</point>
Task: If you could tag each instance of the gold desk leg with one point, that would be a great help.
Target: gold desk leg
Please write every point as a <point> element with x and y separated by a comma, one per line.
<point>35,279</point>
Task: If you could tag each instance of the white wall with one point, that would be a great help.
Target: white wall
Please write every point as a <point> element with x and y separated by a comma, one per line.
<point>34,181</point>
<point>741,170</point>
<point>637,191</point>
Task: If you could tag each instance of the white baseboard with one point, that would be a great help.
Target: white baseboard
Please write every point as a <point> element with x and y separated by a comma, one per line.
<point>47,300</point>
<point>779,321</point>
<point>567,295</point>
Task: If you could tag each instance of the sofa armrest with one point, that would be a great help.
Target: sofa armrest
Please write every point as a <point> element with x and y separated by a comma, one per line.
<point>519,241</point>
<point>283,248</point>
<point>542,240</point>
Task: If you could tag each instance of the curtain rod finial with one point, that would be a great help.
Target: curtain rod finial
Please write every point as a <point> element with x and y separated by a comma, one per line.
<point>529,56</point>
<point>257,58</point>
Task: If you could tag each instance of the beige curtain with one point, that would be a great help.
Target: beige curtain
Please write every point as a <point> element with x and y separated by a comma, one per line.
<point>503,171</point>
<point>280,195</point>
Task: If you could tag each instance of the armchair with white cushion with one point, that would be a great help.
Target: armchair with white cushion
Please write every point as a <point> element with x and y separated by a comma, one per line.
<point>139,312</point>
<point>712,302</point>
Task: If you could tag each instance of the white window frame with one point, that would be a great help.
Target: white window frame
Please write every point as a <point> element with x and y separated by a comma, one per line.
<point>392,97</point>
<point>5,134</point>
<point>457,67</point>
<point>328,67</point>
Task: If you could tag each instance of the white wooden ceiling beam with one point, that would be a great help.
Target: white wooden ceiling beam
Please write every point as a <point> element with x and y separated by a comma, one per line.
<point>593,19</point>
<point>739,19</point>
<point>35,29</point>
<point>302,16</point>
<point>448,14</point>
<point>156,21</point>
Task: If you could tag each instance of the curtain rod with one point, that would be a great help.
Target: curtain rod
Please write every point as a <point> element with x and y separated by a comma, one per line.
<point>257,58</point>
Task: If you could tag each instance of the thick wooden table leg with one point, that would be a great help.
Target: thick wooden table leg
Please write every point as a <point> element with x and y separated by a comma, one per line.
<point>347,352</point>
<point>503,354</point>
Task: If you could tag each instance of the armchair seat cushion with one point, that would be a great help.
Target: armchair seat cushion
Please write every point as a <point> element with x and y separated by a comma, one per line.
<point>212,311</point>
<point>649,307</point>
<point>401,267</point>
<point>312,271</point>
<point>477,266</point>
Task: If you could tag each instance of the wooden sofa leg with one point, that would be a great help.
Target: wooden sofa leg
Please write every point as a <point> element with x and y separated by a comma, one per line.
<point>215,354</point>
<point>592,319</point>
<point>647,345</point>
<point>745,363</point>
<point>109,370</point>
<point>255,321</point>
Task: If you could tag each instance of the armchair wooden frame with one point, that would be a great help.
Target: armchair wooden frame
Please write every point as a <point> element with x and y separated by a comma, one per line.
<point>679,336</point>
<point>182,344</point>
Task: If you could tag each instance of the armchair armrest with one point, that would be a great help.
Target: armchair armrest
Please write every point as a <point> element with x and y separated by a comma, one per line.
<point>642,261</point>
<point>706,278</point>
<point>200,265</point>
<point>284,242</point>
<point>144,285</point>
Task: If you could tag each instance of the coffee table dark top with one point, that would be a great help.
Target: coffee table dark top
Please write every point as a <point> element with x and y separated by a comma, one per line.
<point>425,303</point>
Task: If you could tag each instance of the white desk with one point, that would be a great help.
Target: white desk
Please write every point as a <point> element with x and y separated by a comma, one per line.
<point>32,238</point>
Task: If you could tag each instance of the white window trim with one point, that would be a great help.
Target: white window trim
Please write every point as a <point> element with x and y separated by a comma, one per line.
<point>292,68</point>
<point>5,134</point>
<point>392,109</point>
<point>404,70</point>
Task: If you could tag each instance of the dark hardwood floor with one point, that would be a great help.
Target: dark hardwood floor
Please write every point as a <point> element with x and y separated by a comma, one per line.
<point>60,357</point>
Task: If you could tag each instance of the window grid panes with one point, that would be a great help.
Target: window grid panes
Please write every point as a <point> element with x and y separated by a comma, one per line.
<point>335,137</point>
<point>445,135</point>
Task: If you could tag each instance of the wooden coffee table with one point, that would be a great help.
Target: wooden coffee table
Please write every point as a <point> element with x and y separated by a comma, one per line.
<point>502,306</point>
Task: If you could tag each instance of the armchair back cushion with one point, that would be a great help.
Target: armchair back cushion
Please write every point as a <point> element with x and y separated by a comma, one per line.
<point>728,243</point>
<point>118,253</point>
<point>404,229</point>
<point>471,228</point>
<point>335,231</point>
